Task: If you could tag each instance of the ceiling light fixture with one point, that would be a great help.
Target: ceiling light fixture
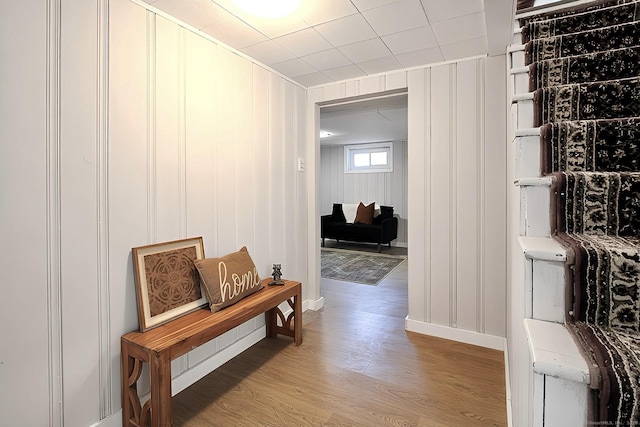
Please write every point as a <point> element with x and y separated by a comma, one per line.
<point>268,8</point>
<point>325,134</point>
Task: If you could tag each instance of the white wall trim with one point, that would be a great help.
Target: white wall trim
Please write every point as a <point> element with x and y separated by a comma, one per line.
<point>314,305</point>
<point>102,180</point>
<point>461,335</point>
<point>54,290</point>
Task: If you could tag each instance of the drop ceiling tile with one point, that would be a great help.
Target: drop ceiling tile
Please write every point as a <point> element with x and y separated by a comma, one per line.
<point>268,52</point>
<point>316,12</point>
<point>461,28</point>
<point>465,48</point>
<point>273,28</point>
<point>230,30</point>
<point>371,4</point>
<point>294,67</point>
<point>438,10</point>
<point>327,59</point>
<point>313,79</point>
<point>304,42</point>
<point>379,65</point>
<point>366,50</point>
<point>420,57</point>
<point>393,18</point>
<point>347,30</point>
<point>194,12</point>
<point>344,73</point>
<point>411,40</point>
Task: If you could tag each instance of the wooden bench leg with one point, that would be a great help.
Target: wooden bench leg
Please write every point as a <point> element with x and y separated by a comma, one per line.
<point>160,369</point>
<point>297,319</point>
<point>131,369</point>
<point>291,325</point>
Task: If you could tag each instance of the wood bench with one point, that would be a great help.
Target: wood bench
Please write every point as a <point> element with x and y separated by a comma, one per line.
<point>159,346</point>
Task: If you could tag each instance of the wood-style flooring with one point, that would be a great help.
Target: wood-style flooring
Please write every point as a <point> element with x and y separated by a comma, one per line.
<point>357,366</point>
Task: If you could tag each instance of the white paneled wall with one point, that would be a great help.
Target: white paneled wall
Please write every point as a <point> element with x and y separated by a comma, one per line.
<point>29,307</point>
<point>456,193</point>
<point>121,128</point>
<point>385,189</point>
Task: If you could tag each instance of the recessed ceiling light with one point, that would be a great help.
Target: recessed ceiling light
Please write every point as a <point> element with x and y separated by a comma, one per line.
<point>325,134</point>
<point>268,8</point>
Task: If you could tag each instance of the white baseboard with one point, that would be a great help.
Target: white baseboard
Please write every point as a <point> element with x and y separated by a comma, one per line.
<point>113,420</point>
<point>314,305</point>
<point>469,337</point>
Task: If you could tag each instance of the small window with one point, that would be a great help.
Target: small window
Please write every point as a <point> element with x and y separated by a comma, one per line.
<point>368,158</point>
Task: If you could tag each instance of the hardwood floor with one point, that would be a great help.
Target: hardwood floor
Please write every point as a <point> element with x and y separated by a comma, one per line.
<point>357,366</point>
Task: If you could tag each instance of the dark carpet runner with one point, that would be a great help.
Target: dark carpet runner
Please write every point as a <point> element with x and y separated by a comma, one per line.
<point>585,74</point>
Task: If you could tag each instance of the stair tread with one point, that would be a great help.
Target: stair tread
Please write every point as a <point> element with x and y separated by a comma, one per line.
<point>591,41</point>
<point>627,12</point>
<point>554,351</point>
<point>542,248</point>
<point>592,67</point>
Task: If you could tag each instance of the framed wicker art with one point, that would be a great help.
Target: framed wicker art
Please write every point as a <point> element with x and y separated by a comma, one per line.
<point>167,281</point>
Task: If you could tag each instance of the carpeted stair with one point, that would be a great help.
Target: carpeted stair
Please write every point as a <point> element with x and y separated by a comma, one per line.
<point>584,71</point>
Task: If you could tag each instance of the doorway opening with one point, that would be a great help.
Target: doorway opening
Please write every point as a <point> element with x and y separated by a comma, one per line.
<point>363,159</point>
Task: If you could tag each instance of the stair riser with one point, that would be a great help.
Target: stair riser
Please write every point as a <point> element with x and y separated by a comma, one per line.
<point>559,402</point>
<point>525,114</point>
<point>534,211</point>
<point>520,81</point>
<point>546,289</point>
<point>527,156</point>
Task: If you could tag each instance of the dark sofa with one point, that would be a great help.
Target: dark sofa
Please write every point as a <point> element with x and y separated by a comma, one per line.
<point>382,230</point>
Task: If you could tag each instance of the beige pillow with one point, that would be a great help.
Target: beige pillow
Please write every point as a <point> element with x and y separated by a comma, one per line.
<point>364,215</point>
<point>228,279</point>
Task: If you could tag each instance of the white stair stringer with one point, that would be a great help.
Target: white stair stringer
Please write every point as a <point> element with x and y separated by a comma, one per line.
<point>549,379</point>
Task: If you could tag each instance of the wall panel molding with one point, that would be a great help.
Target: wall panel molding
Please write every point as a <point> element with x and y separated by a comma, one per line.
<point>54,290</point>
<point>182,132</point>
<point>480,186</point>
<point>428,193</point>
<point>152,199</point>
<point>453,200</point>
<point>102,180</point>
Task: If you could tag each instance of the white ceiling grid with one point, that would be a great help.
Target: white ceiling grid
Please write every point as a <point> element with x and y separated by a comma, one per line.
<point>332,40</point>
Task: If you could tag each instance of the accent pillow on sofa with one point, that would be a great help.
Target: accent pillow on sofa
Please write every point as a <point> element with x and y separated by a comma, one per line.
<point>228,279</point>
<point>364,214</point>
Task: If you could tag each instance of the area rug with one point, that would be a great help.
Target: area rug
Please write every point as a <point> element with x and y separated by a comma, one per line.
<point>358,267</point>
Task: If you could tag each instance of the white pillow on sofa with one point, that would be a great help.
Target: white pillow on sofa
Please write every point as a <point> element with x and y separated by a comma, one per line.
<point>349,210</point>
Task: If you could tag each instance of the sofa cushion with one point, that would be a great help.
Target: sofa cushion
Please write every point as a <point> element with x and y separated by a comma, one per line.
<point>364,214</point>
